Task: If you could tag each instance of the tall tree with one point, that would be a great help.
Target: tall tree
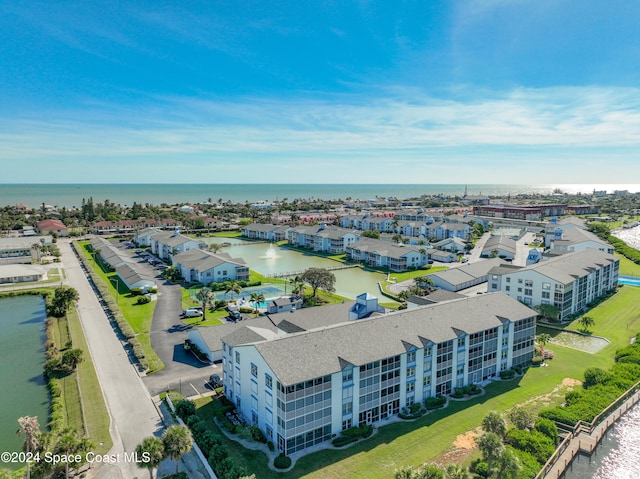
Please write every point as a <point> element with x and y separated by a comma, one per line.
<point>233,288</point>
<point>62,299</point>
<point>68,444</point>
<point>206,297</point>
<point>587,322</point>
<point>507,465</point>
<point>494,422</point>
<point>30,427</point>
<point>256,299</point>
<point>151,452</point>
<point>177,442</point>
<point>319,278</point>
<point>522,418</point>
<point>491,447</point>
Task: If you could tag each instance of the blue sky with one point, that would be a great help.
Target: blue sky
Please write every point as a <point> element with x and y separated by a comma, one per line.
<point>469,91</point>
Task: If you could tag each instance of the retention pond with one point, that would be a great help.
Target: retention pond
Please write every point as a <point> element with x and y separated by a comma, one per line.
<point>23,391</point>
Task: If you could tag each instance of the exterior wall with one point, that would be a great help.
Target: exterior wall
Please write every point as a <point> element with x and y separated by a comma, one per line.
<point>196,338</point>
<point>533,288</point>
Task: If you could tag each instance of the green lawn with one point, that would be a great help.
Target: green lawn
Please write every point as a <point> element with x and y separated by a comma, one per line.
<point>628,267</point>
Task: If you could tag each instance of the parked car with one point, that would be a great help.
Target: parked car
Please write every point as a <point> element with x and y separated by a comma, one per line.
<point>191,313</point>
<point>235,316</point>
<point>215,381</point>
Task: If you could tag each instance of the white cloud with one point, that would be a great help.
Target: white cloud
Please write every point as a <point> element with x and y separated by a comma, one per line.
<point>544,124</point>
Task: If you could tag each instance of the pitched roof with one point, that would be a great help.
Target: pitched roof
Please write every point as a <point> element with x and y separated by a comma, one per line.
<point>301,356</point>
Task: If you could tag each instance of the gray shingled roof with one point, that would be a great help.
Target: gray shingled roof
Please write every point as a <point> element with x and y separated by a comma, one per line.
<point>566,268</point>
<point>301,356</point>
<point>204,260</point>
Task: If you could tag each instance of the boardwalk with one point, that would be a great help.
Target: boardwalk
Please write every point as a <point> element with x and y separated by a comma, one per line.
<point>584,439</point>
<point>298,273</point>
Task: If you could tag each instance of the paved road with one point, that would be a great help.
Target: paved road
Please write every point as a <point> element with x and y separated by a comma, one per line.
<point>133,413</point>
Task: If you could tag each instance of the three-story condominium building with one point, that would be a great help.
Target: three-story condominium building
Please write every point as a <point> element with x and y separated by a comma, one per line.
<point>301,387</point>
<point>568,282</point>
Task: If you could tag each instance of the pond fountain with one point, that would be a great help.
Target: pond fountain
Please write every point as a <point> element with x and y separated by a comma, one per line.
<point>271,253</point>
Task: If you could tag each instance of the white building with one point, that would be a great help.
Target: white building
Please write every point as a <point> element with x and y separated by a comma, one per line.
<point>382,254</point>
<point>568,282</point>
<point>197,265</point>
<point>302,387</point>
<point>325,238</point>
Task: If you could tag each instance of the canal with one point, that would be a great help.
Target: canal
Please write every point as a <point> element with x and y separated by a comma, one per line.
<point>23,391</point>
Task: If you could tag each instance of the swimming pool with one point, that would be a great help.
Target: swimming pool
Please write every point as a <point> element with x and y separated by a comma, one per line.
<point>269,291</point>
<point>629,280</point>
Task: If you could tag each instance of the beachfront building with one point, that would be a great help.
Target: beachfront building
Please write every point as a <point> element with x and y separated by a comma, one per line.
<point>301,387</point>
<point>133,226</point>
<point>196,265</point>
<point>382,254</point>
<point>569,282</point>
<point>324,238</point>
<point>265,232</point>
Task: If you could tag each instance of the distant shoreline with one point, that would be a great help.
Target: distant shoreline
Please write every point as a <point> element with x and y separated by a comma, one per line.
<point>71,195</point>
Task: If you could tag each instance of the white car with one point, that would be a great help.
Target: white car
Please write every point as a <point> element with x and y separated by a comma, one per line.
<point>191,313</point>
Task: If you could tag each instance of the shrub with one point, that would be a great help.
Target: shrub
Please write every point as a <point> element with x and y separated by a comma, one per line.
<point>481,469</point>
<point>282,461</point>
<point>593,376</point>
<point>270,445</point>
<point>508,374</point>
<point>534,442</point>
<point>548,428</point>
<point>343,440</point>
<point>435,402</point>
<point>143,300</point>
<point>136,291</point>
<point>185,409</point>
<point>257,435</point>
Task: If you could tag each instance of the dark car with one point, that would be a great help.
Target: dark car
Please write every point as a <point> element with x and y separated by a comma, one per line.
<point>215,381</point>
<point>235,316</point>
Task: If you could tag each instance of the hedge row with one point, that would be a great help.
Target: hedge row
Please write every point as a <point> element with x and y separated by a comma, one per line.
<point>124,327</point>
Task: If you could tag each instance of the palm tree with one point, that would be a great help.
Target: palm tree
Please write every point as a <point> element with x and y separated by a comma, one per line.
<point>298,285</point>
<point>587,322</point>
<point>456,471</point>
<point>233,287</point>
<point>495,423</point>
<point>491,447</point>
<point>256,299</point>
<point>543,339</point>
<point>508,465</point>
<point>430,471</point>
<point>177,441</point>
<point>206,297</point>
<point>31,429</point>
<point>151,450</point>
<point>407,472</point>
<point>70,443</point>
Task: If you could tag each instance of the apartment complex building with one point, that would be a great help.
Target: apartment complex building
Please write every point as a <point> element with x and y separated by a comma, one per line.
<point>302,385</point>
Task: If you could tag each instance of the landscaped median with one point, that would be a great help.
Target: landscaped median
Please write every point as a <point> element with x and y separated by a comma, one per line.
<point>133,318</point>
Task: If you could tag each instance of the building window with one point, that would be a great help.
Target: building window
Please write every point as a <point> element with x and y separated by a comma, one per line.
<point>546,286</point>
<point>546,294</point>
<point>427,351</point>
<point>268,381</point>
<point>347,375</point>
<point>238,357</point>
<point>347,408</point>
<point>426,381</point>
<point>411,386</point>
<point>494,285</point>
<point>528,283</point>
<point>411,357</point>
<point>507,288</point>
<point>411,372</point>
<point>528,292</point>
<point>254,370</point>
<point>508,279</point>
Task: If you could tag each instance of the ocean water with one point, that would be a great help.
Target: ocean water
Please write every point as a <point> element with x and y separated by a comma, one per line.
<point>70,195</point>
